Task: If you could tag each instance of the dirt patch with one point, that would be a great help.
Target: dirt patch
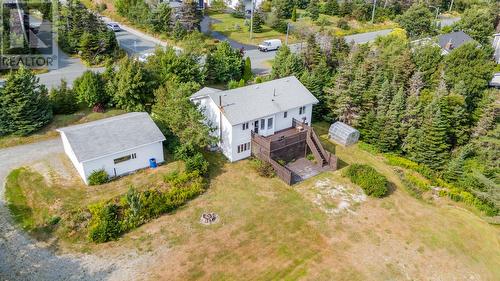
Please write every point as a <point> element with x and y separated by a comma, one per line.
<point>334,198</point>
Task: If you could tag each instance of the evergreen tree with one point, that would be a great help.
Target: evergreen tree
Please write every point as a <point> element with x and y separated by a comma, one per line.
<point>90,90</point>
<point>389,136</point>
<point>455,168</point>
<point>313,9</point>
<point>24,104</point>
<point>161,18</point>
<point>189,15</point>
<point>132,86</point>
<point>283,8</point>
<point>431,147</point>
<point>312,53</point>
<point>179,31</point>
<point>247,73</point>
<point>473,66</point>
<point>331,7</point>
<point>224,63</point>
<point>63,99</point>
<point>479,23</point>
<point>294,14</point>
<point>417,20</point>
<point>286,63</point>
<point>174,111</point>
<point>258,21</point>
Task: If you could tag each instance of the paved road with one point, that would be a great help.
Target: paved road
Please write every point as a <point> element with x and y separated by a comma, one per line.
<point>70,68</point>
<point>20,256</point>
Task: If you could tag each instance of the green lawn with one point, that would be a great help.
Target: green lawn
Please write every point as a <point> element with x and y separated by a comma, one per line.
<point>271,231</point>
<point>59,121</point>
<point>235,29</point>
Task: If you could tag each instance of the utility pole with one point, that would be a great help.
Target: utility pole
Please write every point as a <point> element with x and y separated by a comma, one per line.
<point>287,31</point>
<point>451,6</point>
<point>373,10</point>
<point>251,20</point>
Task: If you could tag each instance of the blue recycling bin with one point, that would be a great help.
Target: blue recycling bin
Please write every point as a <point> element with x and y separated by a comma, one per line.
<point>152,163</point>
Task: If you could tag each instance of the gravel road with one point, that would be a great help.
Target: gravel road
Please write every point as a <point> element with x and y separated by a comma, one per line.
<point>21,257</point>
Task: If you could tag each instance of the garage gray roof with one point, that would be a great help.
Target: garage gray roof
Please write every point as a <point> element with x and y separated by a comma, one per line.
<point>259,100</point>
<point>108,136</point>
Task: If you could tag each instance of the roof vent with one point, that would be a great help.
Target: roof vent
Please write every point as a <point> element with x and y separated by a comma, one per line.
<point>256,87</point>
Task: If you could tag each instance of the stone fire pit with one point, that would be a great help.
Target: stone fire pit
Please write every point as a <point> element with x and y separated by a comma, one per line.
<point>209,218</point>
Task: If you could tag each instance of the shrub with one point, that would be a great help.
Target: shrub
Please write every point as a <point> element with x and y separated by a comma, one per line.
<point>63,99</point>
<point>469,199</point>
<point>54,220</point>
<point>264,169</point>
<point>98,177</point>
<point>343,24</point>
<point>110,219</point>
<point>105,223</point>
<point>373,183</point>
<point>197,163</point>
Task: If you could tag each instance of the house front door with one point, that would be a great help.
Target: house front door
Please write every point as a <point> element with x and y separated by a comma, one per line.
<point>256,126</point>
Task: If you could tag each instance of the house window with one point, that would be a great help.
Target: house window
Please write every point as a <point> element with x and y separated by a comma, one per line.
<point>122,159</point>
<point>269,123</point>
<point>262,124</point>
<point>285,114</point>
<point>302,110</point>
<point>125,158</point>
<point>243,147</point>
<point>245,126</point>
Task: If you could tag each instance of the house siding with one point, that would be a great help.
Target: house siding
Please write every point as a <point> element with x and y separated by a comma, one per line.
<point>240,136</point>
<point>143,154</point>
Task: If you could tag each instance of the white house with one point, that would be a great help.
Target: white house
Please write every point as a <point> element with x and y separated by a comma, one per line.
<point>264,108</point>
<point>496,47</point>
<point>119,145</point>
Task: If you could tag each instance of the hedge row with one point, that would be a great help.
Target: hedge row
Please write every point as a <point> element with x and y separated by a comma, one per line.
<point>112,218</point>
<point>373,183</point>
<point>468,198</point>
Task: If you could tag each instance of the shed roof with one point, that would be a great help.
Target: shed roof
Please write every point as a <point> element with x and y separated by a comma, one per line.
<point>108,136</point>
<point>456,39</point>
<point>256,101</point>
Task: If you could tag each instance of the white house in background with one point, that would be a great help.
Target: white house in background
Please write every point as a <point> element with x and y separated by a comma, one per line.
<point>264,108</point>
<point>119,145</point>
<point>496,47</point>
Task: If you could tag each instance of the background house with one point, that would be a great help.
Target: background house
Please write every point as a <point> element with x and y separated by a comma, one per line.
<point>496,47</point>
<point>452,40</point>
<point>263,108</point>
<point>119,145</point>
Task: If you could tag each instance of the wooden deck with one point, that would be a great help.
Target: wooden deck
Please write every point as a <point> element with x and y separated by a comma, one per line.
<point>291,145</point>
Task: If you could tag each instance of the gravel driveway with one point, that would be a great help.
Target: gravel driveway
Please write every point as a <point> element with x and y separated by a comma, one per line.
<point>21,258</point>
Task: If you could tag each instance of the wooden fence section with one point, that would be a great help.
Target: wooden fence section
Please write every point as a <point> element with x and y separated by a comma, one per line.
<point>263,154</point>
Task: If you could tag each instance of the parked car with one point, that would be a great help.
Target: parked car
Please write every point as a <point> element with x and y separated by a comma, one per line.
<point>144,57</point>
<point>113,26</point>
<point>270,45</point>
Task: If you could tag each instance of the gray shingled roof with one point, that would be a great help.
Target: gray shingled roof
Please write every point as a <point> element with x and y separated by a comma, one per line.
<point>112,135</point>
<point>457,39</point>
<point>256,101</point>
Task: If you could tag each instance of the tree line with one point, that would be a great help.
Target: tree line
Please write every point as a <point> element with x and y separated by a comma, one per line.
<point>410,100</point>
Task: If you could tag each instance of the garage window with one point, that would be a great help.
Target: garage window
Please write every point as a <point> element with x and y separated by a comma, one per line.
<point>122,159</point>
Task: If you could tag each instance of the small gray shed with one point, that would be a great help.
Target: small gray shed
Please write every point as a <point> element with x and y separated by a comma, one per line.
<point>343,133</point>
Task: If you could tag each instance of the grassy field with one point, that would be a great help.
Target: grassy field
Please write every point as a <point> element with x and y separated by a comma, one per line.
<point>235,29</point>
<point>330,24</point>
<point>59,121</point>
<point>51,189</point>
<point>270,231</point>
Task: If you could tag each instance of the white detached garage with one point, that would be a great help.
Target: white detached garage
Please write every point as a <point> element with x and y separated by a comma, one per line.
<point>119,145</point>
